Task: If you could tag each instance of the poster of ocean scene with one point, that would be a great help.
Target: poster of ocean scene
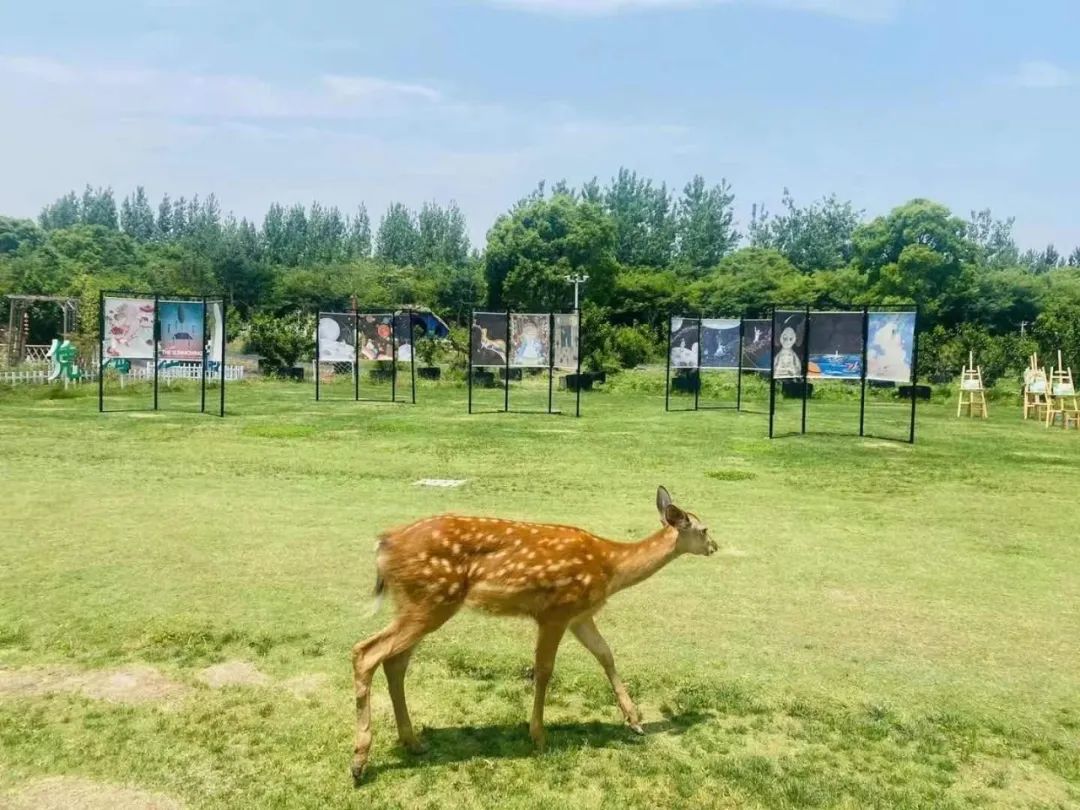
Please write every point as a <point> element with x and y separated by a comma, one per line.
<point>836,343</point>
<point>890,342</point>
<point>720,343</point>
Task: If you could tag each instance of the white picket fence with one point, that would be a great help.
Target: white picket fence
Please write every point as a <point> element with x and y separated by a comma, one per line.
<point>188,371</point>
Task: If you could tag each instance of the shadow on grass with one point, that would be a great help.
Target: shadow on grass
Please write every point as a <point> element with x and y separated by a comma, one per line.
<point>511,741</point>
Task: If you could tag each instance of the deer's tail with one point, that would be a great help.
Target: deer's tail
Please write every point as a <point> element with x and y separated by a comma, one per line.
<point>380,583</point>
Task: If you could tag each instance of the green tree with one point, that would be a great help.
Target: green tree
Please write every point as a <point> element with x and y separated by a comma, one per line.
<point>64,213</point>
<point>19,233</point>
<point>137,217</point>
<point>993,238</point>
<point>918,253</point>
<point>360,234</point>
<point>398,238</point>
<point>98,208</point>
<point>532,249</point>
<point>749,281</point>
<point>706,225</point>
<point>643,218</point>
<point>816,237</point>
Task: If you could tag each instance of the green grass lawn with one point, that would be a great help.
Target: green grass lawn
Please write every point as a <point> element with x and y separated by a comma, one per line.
<point>886,625</point>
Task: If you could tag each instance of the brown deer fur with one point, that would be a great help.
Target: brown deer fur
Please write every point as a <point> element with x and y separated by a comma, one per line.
<point>559,575</point>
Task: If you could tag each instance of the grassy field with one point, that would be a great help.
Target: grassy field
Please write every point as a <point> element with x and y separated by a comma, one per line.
<point>885,626</point>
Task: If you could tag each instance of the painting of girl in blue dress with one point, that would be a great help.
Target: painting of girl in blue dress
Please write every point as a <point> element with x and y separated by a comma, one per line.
<point>530,341</point>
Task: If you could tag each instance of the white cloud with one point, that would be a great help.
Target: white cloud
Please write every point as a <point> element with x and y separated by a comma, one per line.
<point>861,10</point>
<point>369,87</point>
<point>136,90</point>
<point>1042,75</point>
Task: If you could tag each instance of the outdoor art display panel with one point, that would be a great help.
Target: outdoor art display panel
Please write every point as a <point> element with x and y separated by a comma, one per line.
<point>530,341</point>
<point>376,336</point>
<point>181,330</point>
<point>684,342</point>
<point>836,345</point>
<point>890,346</point>
<point>489,339</point>
<point>566,341</point>
<point>720,343</point>
<point>129,328</point>
<point>789,337</point>
<point>216,331</point>
<point>757,344</point>
<point>337,337</point>
<point>403,336</point>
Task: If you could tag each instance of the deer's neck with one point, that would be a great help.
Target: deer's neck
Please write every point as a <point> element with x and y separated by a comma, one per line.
<point>636,562</point>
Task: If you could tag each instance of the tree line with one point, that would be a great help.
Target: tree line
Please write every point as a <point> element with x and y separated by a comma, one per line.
<point>648,250</point>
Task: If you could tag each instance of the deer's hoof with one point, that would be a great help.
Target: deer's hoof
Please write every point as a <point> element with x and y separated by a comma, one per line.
<point>539,740</point>
<point>636,728</point>
<point>414,746</point>
<point>357,770</point>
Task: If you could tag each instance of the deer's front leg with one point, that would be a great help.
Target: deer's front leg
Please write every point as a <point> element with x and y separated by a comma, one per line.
<point>547,644</point>
<point>591,639</point>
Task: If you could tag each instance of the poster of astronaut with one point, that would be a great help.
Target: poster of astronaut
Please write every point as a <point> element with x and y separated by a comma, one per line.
<point>489,339</point>
<point>720,343</point>
<point>685,335</point>
<point>757,344</point>
<point>128,326</point>
<point>789,337</point>
<point>530,341</point>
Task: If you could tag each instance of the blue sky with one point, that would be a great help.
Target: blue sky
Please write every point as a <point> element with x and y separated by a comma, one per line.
<point>971,102</point>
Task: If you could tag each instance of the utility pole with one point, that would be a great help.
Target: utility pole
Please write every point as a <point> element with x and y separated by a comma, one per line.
<point>577,281</point>
<point>1023,327</point>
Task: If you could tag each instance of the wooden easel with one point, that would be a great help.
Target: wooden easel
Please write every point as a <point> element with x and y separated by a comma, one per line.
<point>1035,388</point>
<point>972,392</point>
<point>1061,398</point>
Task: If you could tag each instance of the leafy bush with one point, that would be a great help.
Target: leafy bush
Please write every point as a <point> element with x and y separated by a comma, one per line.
<point>281,342</point>
<point>633,345</point>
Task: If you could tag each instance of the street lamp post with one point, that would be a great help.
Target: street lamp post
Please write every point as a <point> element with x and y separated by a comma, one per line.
<point>577,281</point>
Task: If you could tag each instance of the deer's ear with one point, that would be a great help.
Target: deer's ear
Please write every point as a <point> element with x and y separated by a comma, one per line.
<point>676,517</point>
<point>663,501</point>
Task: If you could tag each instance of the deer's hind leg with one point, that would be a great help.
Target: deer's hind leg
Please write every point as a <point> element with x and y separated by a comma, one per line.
<point>399,637</point>
<point>395,668</point>
<point>547,644</point>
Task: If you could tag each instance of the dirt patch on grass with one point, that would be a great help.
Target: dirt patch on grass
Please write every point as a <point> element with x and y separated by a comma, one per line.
<point>65,792</point>
<point>302,686</point>
<point>233,673</point>
<point>879,445</point>
<point>132,684</point>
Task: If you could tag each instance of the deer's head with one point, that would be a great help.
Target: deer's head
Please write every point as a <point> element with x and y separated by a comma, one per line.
<point>693,534</point>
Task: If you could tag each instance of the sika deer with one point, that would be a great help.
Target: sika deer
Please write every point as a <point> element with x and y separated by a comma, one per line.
<point>559,575</point>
